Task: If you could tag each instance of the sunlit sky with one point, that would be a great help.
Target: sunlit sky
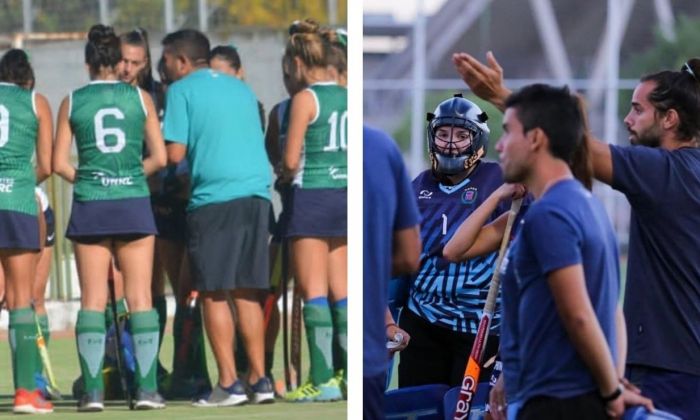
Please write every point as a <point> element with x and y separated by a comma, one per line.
<point>402,10</point>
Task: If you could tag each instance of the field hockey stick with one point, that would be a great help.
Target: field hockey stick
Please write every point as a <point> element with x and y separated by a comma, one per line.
<point>296,335</point>
<point>118,334</point>
<point>285,314</point>
<point>186,343</point>
<point>473,369</point>
<point>52,386</point>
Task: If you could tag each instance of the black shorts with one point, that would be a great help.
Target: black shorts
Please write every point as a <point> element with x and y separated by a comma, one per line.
<point>437,355</point>
<point>319,212</point>
<point>581,407</point>
<point>227,245</point>
<point>50,227</point>
<point>92,221</point>
<point>19,230</point>
<point>170,215</point>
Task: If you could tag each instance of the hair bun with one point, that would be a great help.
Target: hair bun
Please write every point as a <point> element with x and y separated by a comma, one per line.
<point>100,34</point>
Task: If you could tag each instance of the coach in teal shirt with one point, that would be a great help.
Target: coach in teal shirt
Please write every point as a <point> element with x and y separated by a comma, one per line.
<point>212,119</point>
<point>223,139</point>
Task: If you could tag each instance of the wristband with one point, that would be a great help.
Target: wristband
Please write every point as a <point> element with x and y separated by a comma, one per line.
<point>612,397</point>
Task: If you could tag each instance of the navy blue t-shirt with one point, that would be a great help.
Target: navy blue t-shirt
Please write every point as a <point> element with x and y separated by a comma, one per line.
<point>662,297</point>
<point>509,344</point>
<point>452,295</point>
<point>388,206</point>
<point>566,226</point>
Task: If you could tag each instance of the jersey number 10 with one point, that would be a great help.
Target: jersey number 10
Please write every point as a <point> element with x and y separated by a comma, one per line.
<point>4,125</point>
<point>101,132</point>
<point>333,138</point>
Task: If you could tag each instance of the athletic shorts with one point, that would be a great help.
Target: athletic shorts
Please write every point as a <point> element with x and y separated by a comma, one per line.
<point>227,245</point>
<point>581,407</point>
<point>672,391</point>
<point>50,227</point>
<point>124,219</point>
<point>170,215</point>
<point>19,231</point>
<point>437,355</point>
<point>319,212</point>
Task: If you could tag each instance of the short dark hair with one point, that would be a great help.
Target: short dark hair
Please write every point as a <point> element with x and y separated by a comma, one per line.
<point>189,43</point>
<point>15,68</point>
<point>679,90</point>
<point>103,48</point>
<point>228,53</point>
<point>553,110</point>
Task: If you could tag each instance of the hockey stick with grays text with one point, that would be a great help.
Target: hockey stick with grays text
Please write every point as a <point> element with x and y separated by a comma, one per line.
<point>471,373</point>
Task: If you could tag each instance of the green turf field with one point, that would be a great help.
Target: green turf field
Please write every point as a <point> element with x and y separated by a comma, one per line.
<point>65,365</point>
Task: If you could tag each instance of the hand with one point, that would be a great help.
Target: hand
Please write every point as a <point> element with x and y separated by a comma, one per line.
<point>391,331</point>
<point>497,400</point>
<point>632,397</point>
<point>511,191</point>
<point>485,81</point>
<point>615,408</point>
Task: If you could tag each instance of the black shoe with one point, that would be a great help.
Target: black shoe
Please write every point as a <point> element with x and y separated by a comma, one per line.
<point>91,401</point>
<point>148,400</point>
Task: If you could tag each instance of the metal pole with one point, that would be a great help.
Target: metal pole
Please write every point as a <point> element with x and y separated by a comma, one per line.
<point>612,88</point>
<point>104,12</point>
<point>27,18</point>
<point>203,15</point>
<point>418,109</point>
<point>332,12</point>
<point>169,16</point>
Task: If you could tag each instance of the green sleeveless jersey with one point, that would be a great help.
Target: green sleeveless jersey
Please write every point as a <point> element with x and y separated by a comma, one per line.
<point>107,119</point>
<point>18,131</point>
<point>324,157</point>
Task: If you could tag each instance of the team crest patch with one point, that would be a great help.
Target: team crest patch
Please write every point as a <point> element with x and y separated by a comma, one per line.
<point>469,195</point>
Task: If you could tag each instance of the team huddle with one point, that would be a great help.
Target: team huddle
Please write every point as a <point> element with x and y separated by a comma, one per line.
<point>172,180</point>
<point>571,341</point>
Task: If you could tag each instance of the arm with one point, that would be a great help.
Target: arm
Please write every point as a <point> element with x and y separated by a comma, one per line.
<point>473,237</point>
<point>621,338</point>
<point>154,139</point>
<point>302,112</point>
<point>61,151</point>
<point>406,248</point>
<point>272,138</point>
<point>568,288</point>
<point>485,81</point>
<point>44,139</point>
<point>601,159</point>
<point>176,152</point>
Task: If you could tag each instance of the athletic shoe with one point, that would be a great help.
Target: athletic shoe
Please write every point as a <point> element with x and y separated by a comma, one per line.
<point>91,401</point>
<point>27,402</point>
<point>148,400</point>
<point>223,397</point>
<point>263,392</point>
<point>341,381</point>
<point>305,393</point>
<point>330,391</point>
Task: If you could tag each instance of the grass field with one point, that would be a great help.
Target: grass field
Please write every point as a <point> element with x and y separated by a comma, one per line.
<point>65,365</point>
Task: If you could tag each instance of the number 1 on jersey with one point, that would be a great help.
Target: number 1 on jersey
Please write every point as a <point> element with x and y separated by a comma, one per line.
<point>444,224</point>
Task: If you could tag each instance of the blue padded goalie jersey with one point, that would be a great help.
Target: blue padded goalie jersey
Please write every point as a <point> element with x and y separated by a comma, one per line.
<point>452,295</point>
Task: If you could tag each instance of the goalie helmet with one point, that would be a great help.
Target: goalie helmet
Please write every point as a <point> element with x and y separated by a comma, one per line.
<point>450,157</point>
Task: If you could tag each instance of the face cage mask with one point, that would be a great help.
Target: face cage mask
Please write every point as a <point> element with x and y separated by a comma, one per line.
<point>449,163</point>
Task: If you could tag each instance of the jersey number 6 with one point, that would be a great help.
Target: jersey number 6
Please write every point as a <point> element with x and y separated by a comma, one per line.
<point>101,132</point>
